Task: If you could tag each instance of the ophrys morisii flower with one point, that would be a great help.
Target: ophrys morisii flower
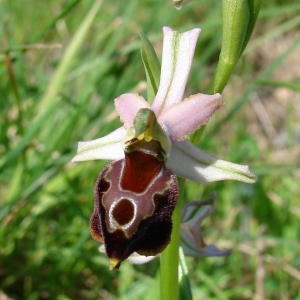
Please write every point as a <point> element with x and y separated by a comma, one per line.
<point>135,195</point>
<point>191,237</point>
<point>192,242</point>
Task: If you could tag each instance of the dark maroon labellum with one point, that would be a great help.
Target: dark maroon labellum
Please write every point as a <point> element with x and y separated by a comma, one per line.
<point>134,201</point>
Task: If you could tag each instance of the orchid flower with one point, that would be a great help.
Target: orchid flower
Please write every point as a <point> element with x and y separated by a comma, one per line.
<point>192,243</point>
<point>135,195</point>
<point>179,117</point>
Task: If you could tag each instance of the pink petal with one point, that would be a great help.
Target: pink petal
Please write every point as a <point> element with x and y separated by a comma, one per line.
<point>127,106</point>
<point>178,52</point>
<point>186,117</point>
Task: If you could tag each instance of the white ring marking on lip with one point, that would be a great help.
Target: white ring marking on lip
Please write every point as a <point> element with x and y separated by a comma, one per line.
<point>113,223</point>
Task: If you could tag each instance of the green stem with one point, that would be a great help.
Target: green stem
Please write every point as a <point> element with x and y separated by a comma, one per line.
<point>169,260</point>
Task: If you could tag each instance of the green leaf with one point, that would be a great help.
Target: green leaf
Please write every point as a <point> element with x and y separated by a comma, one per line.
<point>184,282</point>
<point>58,80</point>
<point>254,8</point>
<point>287,84</point>
<point>211,285</point>
<point>151,65</point>
<point>49,101</point>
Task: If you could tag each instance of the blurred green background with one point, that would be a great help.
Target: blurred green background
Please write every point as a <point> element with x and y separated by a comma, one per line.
<point>60,71</point>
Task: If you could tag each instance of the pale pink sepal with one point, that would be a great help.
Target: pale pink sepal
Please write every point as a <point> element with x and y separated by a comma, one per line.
<point>134,258</point>
<point>186,117</point>
<point>177,56</point>
<point>212,250</point>
<point>196,211</point>
<point>193,214</point>
<point>137,259</point>
<point>107,147</point>
<point>188,161</point>
<point>127,107</point>
<point>209,250</point>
